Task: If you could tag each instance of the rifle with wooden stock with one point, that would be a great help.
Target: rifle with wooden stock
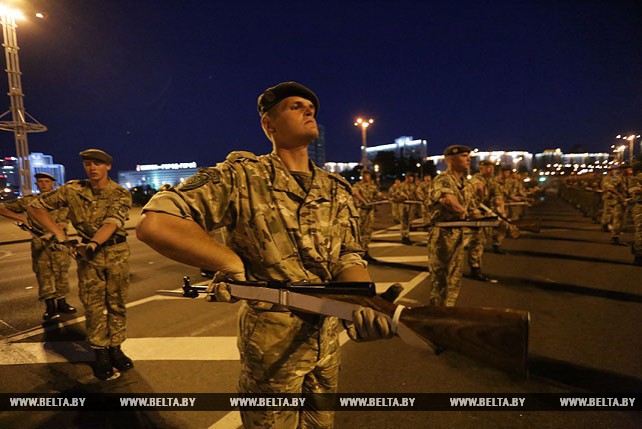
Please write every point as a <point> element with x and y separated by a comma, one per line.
<point>495,336</point>
<point>523,225</point>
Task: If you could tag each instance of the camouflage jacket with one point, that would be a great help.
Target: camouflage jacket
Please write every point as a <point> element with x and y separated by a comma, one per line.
<point>368,191</point>
<point>423,190</point>
<point>447,183</point>
<point>19,205</point>
<point>486,190</point>
<point>617,184</point>
<point>89,209</point>
<point>279,231</point>
<point>635,188</point>
<point>404,191</point>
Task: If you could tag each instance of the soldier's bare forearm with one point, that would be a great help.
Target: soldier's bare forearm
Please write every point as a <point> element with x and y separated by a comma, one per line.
<point>104,233</point>
<point>183,240</point>
<point>354,274</point>
<point>20,217</point>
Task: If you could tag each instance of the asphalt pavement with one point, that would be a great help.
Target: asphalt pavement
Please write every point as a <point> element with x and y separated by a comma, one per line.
<point>583,294</point>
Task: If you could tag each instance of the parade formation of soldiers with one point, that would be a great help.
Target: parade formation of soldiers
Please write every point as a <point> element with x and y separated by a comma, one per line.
<point>285,219</point>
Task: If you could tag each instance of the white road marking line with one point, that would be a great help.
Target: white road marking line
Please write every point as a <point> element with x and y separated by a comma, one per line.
<point>402,259</point>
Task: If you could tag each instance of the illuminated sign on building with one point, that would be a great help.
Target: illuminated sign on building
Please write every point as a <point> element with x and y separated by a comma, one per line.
<point>170,166</point>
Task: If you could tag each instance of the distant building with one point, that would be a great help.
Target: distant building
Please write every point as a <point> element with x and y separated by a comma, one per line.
<point>38,162</point>
<point>316,149</point>
<point>403,147</point>
<point>157,175</point>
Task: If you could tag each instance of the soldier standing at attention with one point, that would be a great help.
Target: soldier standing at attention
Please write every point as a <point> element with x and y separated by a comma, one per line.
<point>51,266</point>
<point>98,208</point>
<point>402,194</point>
<point>615,193</point>
<point>366,192</point>
<point>394,207</point>
<point>504,188</point>
<point>636,194</point>
<point>451,198</point>
<point>423,190</point>
<point>486,192</point>
<point>287,220</point>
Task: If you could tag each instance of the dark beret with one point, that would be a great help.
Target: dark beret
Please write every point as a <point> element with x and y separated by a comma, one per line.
<point>486,163</point>
<point>506,167</point>
<point>274,95</point>
<point>456,149</point>
<point>44,176</point>
<point>96,155</point>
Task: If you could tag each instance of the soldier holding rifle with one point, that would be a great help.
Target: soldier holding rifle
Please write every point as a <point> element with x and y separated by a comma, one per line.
<point>404,195</point>
<point>365,194</point>
<point>50,265</point>
<point>615,200</point>
<point>451,199</point>
<point>287,220</point>
<point>98,208</point>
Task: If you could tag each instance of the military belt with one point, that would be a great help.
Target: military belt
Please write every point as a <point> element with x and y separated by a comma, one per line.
<point>116,239</point>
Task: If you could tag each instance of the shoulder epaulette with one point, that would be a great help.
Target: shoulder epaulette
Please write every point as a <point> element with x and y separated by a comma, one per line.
<point>240,156</point>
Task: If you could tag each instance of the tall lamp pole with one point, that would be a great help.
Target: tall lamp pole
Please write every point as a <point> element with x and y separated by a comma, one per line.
<point>364,124</point>
<point>631,140</point>
<point>21,122</point>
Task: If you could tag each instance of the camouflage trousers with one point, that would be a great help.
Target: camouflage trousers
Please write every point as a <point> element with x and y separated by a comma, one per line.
<point>281,353</point>
<point>615,218</point>
<point>366,220</point>
<point>406,214</point>
<point>475,248</point>
<point>446,263</point>
<point>52,270</point>
<point>103,283</point>
<point>394,209</point>
<point>637,235</point>
<point>606,212</point>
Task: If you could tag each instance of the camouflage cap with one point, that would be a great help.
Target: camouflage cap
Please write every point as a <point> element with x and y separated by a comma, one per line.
<point>486,163</point>
<point>44,176</point>
<point>456,149</point>
<point>96,155</point>
<point>274,95</point>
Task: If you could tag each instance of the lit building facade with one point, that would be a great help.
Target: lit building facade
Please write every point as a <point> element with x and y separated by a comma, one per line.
<point>403,147</point>
<point>38,163</point>
<point>157,175</point>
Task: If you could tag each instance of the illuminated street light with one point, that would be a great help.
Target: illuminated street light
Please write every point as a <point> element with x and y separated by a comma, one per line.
<point>364,124</point>
<point>21,122</point>
<point>631,139</point>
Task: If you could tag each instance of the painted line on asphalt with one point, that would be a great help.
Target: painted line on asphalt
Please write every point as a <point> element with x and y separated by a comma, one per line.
<point>402,259</point>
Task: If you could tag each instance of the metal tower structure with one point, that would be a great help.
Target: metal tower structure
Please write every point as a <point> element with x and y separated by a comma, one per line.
<point>21,122</point>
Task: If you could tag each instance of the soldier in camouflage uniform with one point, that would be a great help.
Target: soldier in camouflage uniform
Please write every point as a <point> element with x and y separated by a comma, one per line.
<point>488,193</point>
<point>394,207</point>
<point>50,265</point>
<point>365,193</point>
<point>615,195</point>
<point>286,220</point>
<point>504,188</point>
<point>423,191</point>
<point>635,190</point>
<point>98,208</point>
<point>402,195</point>
<point>451,198</point>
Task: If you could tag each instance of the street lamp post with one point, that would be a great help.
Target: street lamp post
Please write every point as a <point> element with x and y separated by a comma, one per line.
<point>21,122</point>
<point>364,124</point>
<point>631,139</point>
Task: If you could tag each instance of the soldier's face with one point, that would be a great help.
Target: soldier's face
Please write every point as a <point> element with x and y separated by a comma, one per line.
<point>44,185</point>
<point>367,177</point>
<point>486,170</point>
<point>460,162</point>
<point>292,123</point>
<point>96,170</point>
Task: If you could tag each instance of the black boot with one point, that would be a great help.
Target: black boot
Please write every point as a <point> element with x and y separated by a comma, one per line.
<point>102,365</point>
<point>51,313</point>
<point>406,240</point>
<point>120,359</point>
<point>477,274</point>
<point>498,250</point>
<point>64,307</point>
<point>638,261</point>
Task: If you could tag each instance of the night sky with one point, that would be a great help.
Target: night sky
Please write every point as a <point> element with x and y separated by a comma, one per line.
<point>177,81</point>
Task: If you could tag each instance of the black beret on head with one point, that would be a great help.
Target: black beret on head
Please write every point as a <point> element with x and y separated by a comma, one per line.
<point>456,149</point>
<point>96,155</point>
<point>506,167</point>
<point>44,176</point>
<point>274,95</point>
<point>486,163</point>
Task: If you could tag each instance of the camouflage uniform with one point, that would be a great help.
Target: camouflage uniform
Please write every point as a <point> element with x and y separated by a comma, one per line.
<point>615,205</point>
<point>636,194</point>
<point>406,191</point>
<point>446,245</point>
<point>394,207</point>
<point>504,190</point>
<point>423,191</point>
<point>51,266</point>
<point>103,282</point>
<point>489,193</point>
<point>369,192</point>
<point>281,232</point>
